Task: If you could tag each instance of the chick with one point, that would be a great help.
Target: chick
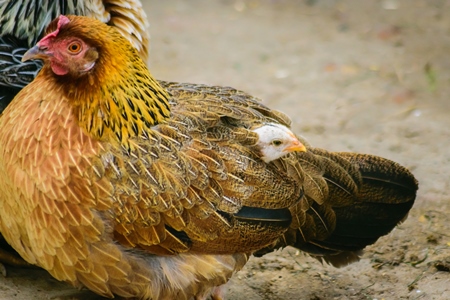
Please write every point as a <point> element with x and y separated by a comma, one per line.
<point>275,141</point>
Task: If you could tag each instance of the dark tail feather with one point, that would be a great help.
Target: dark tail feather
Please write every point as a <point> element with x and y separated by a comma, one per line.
<point>385,195</point>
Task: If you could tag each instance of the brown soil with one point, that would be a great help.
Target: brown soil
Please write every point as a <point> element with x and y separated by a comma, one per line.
<point>363,76</point>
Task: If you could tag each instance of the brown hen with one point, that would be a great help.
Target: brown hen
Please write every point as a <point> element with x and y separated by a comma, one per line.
<point>154,190</point>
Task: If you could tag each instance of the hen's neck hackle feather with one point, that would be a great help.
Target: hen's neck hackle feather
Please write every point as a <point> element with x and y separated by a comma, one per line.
<point>118,99</point>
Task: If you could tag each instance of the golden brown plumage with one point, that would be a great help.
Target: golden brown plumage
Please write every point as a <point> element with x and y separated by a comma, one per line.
<point>148,189</point>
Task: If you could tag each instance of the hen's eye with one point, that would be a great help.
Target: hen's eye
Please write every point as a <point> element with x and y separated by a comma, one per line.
<point>74,47</point>
<point>276,142</point>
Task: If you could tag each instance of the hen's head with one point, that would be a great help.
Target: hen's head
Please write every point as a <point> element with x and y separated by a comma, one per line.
<point>101,74</point>
<point>67,46</point>
<point>275,141</point>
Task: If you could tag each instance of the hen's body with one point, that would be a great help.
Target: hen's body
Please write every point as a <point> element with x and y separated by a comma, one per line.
<point>130,186</point>
<point>71,211</point>
<point>23,22</point>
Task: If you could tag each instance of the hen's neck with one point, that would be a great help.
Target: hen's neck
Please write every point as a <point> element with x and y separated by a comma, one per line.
<point>118,100</point>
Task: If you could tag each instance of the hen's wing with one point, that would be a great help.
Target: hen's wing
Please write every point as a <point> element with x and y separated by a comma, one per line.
<point>208,192</point>
<point>342,193</point>
<point>347,200</point>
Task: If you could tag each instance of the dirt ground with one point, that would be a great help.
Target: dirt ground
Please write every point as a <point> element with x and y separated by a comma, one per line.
<point>363,76</point>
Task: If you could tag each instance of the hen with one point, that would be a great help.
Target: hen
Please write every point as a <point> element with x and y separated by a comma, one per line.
<point>23,22</point>
<point>139,188</point>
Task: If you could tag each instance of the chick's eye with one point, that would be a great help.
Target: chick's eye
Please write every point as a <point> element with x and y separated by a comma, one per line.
<point>276,143</point>
<point>74,47</point>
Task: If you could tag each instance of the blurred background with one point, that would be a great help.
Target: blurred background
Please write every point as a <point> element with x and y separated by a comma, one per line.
<point>365,76</point>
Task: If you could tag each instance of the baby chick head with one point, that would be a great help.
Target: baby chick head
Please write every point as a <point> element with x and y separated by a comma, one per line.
<point>276,140</point>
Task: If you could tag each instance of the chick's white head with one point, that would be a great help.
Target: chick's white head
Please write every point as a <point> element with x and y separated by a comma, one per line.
<point>276,140</point>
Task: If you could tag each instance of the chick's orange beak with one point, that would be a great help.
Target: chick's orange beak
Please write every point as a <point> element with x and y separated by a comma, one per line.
<point>295,145</point>
<point>35,53</point>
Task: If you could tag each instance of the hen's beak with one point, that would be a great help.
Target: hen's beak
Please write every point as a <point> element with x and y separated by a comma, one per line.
<point>34,53</point>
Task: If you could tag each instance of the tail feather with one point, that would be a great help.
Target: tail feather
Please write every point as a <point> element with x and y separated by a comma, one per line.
<point>385,197</point>
<point>385,193</point>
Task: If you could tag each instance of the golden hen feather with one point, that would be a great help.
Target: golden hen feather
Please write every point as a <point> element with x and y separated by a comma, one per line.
<point>141,188</point>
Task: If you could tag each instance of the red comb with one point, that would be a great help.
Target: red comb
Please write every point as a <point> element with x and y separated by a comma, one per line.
<point>62,20</point>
